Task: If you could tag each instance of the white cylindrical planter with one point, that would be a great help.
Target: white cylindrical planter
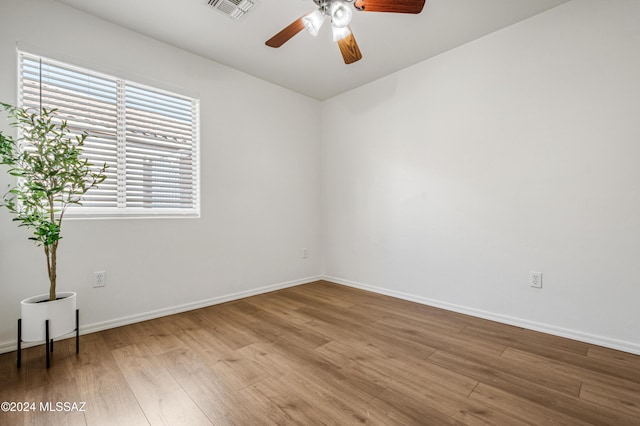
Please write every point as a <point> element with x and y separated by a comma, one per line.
<point>61,314</point>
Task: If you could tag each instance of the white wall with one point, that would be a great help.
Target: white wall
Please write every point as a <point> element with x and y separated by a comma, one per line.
<point>259,183</point>
<point>449,181</point>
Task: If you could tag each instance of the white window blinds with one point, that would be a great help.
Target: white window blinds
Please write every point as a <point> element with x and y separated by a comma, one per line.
<point>148,137</point>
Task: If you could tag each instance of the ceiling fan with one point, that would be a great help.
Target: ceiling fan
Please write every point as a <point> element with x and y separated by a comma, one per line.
<point>340,13</point>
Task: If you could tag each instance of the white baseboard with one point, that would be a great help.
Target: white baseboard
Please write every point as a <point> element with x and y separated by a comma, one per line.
<point>118,322</point>
<point>630,347</point>
<point>505,319</point>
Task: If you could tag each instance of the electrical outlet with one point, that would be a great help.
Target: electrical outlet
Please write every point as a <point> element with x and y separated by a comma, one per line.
<point>305,253</point>
<point>535,279</point>
<point>99,279</point>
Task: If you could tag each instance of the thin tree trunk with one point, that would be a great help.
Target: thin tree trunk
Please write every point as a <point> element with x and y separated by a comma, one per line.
<point>52,253</point>
<point>52,271</point>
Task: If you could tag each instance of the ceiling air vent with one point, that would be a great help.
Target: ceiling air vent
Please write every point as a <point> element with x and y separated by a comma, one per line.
<point>235,9</point>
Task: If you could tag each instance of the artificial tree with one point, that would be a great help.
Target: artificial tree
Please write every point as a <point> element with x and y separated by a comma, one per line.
<point>52,175</point>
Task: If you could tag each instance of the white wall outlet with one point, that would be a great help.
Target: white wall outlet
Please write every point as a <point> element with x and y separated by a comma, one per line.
<point>305,253</point>
<point>535,279</point>
<point>99,278</point>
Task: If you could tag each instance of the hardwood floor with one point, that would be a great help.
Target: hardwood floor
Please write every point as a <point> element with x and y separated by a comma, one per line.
<point>322,353</point>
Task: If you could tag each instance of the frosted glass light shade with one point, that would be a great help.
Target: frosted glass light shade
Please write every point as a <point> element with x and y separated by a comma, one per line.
<point>313,21</point>
<point>340,14</point>
<point>340,32</point>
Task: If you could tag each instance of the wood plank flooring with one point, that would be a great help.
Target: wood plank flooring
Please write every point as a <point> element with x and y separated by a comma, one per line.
<point>322,353</point>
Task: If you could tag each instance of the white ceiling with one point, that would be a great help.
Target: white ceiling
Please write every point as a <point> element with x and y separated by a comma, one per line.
<point>311,65</point>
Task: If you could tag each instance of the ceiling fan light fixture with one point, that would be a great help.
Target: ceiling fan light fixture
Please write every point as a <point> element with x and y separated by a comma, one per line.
<point>340,13</point>
<point>313,21</point>
<point>340,32</point>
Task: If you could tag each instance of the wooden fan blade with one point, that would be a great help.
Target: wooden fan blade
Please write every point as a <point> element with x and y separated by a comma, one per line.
<point>349,49</point>
<point>394,6</point>
<point>285,35</point>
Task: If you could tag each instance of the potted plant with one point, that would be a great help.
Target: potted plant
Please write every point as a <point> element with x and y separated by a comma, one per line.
<point>52,175</point>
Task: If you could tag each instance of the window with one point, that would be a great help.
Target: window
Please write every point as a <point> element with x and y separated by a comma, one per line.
<point>148,137</point>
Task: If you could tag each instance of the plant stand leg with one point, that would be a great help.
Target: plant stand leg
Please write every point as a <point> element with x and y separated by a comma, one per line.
<point>47,343</point>
<point>77,330</point>
<point>19,342</point>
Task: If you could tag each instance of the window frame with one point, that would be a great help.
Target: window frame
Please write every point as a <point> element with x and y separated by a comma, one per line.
<point>122,208</point>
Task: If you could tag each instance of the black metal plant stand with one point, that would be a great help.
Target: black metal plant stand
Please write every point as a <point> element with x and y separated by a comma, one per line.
<point>48,342</point>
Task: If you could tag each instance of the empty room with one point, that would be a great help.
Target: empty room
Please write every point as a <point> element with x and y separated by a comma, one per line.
<point>299,212</point>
